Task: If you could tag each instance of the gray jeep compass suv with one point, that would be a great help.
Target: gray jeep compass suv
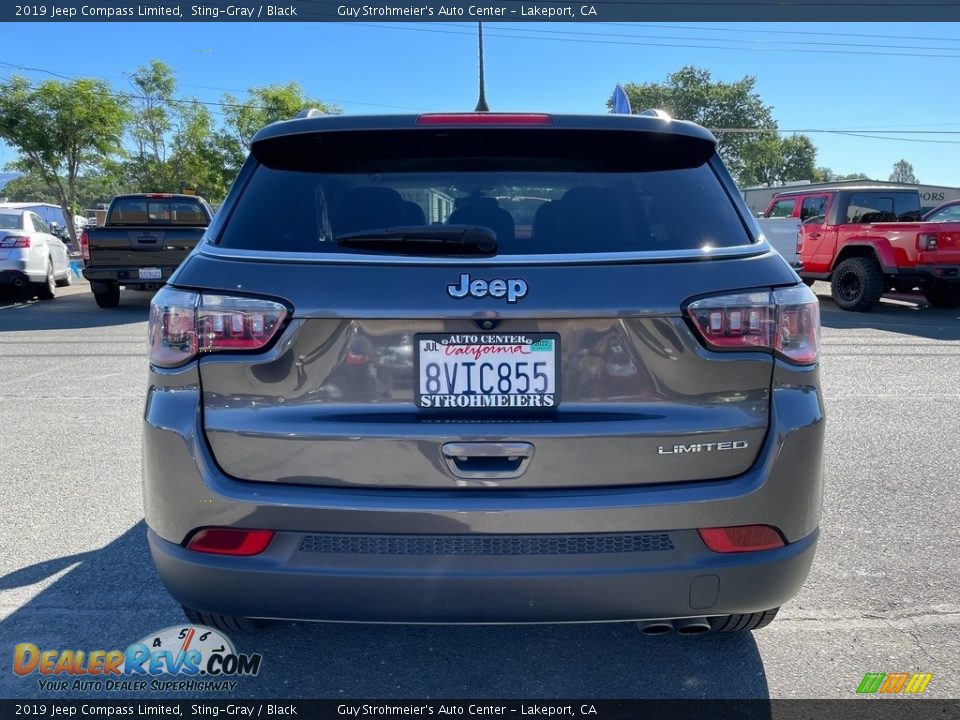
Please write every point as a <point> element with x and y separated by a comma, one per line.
<point>484,368</point>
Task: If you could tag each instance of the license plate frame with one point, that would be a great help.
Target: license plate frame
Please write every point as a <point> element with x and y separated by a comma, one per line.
<point>150,273</point>
<point>530,340</point>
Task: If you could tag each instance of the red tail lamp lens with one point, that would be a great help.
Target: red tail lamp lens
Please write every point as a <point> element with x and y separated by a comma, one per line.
<point>230,541</point>
<point>744,538</point>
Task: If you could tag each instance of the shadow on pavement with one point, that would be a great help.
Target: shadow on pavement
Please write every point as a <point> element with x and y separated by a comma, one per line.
<point>73,309</point>
<point>900,314</point>
<point>112,597</point>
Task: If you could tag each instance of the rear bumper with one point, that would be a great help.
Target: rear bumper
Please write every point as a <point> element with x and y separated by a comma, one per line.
<point>184,490</point>
<point>13,278</point>
<point>949,273</point>
<point>298,578</point>
<point>128,276</point>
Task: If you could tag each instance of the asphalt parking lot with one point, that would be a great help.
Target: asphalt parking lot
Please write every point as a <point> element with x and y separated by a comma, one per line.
<point>883,595</point>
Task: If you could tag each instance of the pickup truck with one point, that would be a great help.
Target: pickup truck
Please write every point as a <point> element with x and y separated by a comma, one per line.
<point>784,235</point>
<point>867,240</point>
<point>143,239</point>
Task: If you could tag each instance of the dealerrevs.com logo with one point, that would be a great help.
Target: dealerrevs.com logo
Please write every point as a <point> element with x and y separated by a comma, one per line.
<point>180,658</point>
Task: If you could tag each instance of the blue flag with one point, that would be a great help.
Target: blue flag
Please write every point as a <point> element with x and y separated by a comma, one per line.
<point>621,103</point>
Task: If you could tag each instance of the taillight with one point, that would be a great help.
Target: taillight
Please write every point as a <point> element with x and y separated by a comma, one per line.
<point>799,240</point>
<point>84,245</point>
<point>15,241</point>
<point>230,541</point>
<point>927,241</point>
<point>184,324</point>
<point>743,538</point>
<point>484,118</point>
<point>786,321</point>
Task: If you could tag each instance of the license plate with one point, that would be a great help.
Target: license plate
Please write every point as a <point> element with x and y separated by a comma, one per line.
<point>150,274</point>
<point>487,370</point>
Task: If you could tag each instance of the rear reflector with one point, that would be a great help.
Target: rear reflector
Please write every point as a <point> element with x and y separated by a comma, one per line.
<point>84,246</point>
<point>484,119</point>
<point>230,541</point>
<point>744,538</point>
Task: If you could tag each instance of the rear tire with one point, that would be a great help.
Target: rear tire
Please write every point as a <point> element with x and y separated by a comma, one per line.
<point>227,623</point>
<point>857,284</point>
<point>47,289</point>
<point>743,622</point>
<point>943,295</point>
<point>109,298</point>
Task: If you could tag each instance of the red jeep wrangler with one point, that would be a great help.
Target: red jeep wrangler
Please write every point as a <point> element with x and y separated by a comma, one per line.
<point>867,240</point>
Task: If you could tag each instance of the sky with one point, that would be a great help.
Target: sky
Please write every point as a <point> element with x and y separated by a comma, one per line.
<point>865,77</point>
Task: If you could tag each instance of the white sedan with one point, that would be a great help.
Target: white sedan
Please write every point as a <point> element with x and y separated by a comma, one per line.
<point>31,257</point>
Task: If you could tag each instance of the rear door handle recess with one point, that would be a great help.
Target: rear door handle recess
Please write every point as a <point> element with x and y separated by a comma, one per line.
<point>487,460</point>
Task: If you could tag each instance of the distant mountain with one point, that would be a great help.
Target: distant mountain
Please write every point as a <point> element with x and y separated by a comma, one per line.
<point>6,177</point>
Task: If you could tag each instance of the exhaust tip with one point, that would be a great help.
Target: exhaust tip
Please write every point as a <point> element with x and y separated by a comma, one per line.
<point>656,627</point>
<point>692,626</point>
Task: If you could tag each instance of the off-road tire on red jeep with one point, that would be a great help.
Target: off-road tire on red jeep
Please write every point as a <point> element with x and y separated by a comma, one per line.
<point>857,284</point>
<point>109,298</point>
<point>227,623</point>
<point>943,295</point>
<point>744,622</point>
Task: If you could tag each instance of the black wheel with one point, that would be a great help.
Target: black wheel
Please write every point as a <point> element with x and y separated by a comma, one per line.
<point>943,295</point>
<point>47,289</point>
<point>109,298</point>
<point>857,284</point>
<point>67,281</point>
<point>227,623</point>
<point>744,622</point>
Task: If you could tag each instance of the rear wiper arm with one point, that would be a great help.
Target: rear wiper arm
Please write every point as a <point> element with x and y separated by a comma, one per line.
<point>425,240</point>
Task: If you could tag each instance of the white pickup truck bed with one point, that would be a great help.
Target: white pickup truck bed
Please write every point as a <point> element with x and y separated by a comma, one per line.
<point>781,233</point>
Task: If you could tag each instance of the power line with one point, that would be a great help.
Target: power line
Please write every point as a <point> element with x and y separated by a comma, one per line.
<point>876,134</point>
<point>714,39</point>
<point>817,33</point>
<point>134,96</point>
<point>501,34</point>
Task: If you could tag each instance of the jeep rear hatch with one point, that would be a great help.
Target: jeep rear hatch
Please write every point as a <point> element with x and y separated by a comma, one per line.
<point>571,358</point>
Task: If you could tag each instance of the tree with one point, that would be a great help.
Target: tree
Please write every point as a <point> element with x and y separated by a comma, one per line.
<point>903,173</point>
<point>691,94</point>
<point>263,106</point>
<point>61,128</point>
<point>198,160</point>
<point>153,105</point>
<point>771,160</point>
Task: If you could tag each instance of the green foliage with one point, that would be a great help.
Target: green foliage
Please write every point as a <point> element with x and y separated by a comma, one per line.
<point>61,128</point>
<point>263,106</point>
<point>903,173</point>
<point>692,94</point>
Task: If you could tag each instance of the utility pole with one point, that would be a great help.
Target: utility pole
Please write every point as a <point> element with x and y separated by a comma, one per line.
<point>482,100</point>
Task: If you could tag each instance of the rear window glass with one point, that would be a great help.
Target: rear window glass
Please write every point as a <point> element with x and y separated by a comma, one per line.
<point>531,212</point>
<point>877,207</point>
<point>10,222</point>
<point>159,211</point>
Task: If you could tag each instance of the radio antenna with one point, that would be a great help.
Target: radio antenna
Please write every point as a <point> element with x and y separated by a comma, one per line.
<point>482,100</point>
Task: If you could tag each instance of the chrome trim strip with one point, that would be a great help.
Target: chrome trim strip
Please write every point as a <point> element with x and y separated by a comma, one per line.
<point>756,249</point>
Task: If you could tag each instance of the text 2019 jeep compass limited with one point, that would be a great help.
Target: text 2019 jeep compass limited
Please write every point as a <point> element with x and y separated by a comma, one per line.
<point>484,368</point>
